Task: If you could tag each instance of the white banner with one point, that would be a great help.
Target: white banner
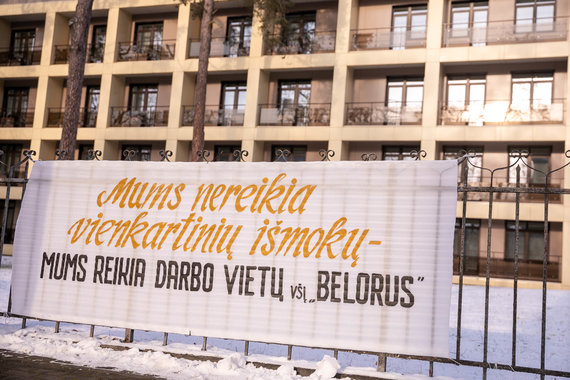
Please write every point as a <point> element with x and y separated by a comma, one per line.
<point>347,255</point>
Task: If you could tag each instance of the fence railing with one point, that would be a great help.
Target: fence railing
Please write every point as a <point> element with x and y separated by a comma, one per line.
<point>503,112</point>
<point>221,47</point>
<point>215,115</point>
<point>130,51</point>
<point>87,118</point>
<point>386,38</point>
<point>316,114</point>
<point>9,57</point>
<point>95,53</point>
<point>377,113</point>
<point>507,31</point>
<point>307,43</point>
<point>148,117</point>
<point>514,268</point>
<point>16,119</point>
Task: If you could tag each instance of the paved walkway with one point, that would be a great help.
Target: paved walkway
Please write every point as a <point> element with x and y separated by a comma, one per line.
<point>14,366</point>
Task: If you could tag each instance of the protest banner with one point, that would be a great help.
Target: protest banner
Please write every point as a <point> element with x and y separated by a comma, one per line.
<point>347,255</point>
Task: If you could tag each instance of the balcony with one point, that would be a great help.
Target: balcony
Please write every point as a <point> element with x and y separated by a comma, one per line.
<point>314,114</point>
<point>503,113</point>
<point>509,32</point>
<point>16,119</point>
<point>150,117</point>
<point>308,43</point>
<point>87,119</point>
<point>215,116</point>
<point>95,53</point>
<point>9,57</point>
<point>157,51</point>
<point>221,47</point>
<point>385,38</point>
<point>382,114</point>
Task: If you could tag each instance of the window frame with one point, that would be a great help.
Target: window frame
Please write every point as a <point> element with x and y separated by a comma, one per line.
<point>403,152</point>
<point>525,234</point>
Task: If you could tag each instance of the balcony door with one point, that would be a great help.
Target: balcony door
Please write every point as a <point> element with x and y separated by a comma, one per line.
<point>91,106</point>
<point>238,36</point>
<point>469,21</point>
<point>466,100</point>
<point>22,45</point>
<point>534,16</point>
<point>148,38</point>
<point>300,31</point>
<point>98,43</point>
<point>532,98</point>
<point>294,100</point>
<point>408,26</point>
<point>232,103</point>
<point>16,105</point>
<point>404,101</point>
<point>142,104</point>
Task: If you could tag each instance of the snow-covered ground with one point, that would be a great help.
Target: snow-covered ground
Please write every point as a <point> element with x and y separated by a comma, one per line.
<point>73,344</point>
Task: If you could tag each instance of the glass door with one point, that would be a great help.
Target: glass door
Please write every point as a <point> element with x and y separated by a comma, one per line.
<point>22,46</point>
<point>238,36</point>
<point>16,105</point>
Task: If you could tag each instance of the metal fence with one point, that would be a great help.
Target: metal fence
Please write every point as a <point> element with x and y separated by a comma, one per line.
<point>518,162</point>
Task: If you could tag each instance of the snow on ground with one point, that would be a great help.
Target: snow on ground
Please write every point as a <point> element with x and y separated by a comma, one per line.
<point>73,344</point>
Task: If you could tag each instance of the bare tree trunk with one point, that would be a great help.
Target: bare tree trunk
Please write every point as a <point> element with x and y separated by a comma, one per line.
<point>201,79</point>
<point>78,51</point>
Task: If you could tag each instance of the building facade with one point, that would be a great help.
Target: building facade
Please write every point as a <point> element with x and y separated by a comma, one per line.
<point>354,76</point>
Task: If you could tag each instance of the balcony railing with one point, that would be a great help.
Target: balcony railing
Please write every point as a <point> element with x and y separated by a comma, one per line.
<point>308,43</point>
<point>382,114</point>
<point>302,115</point>
<point>385,38</point>
<point>507,31</point>
<point>150,117</point>
<point>503,113</point>
<point>86,119</point>
<point>20,58</point>
<point>215,116</point>
<point>16,119</point>
<point>129,51</point>
<point>94,53</point>
<point>221,47</point>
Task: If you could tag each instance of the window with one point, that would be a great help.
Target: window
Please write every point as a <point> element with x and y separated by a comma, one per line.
<point>16,106</point>
<point>139,152</point>
<point>473,165</point>
<point>532,90</point>
<point>226,152</point>
<point>471,239</point>
<point>398,153</point>
<point>404,101</point>
<point>466,100</point>
<point>232,105</point>
<point>238,36</point>
<point>531,241</point>
<point>22,46</point>
<point>143,97</point>
<point>408,24</point>
<point>293,101</point>
<point>300,31</point>
<point>148,39</point>
<point>469,17</point>
<point>97,47</point>
<point>91,106</point>
<point>534,16</point>
<point>296,153</point>
<point>12,155</point>
<point>538,158</point>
